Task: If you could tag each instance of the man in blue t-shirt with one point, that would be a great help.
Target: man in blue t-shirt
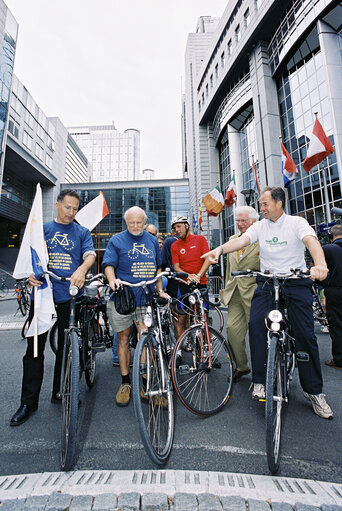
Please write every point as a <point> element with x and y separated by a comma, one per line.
<point>71,254</point>
<point>132,255</point>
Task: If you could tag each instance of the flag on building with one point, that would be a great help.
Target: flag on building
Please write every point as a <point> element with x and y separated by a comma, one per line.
<point>93,212</point>
<point>194,224</point>
<point>256,181</point>
<point>319,148</point>
<point>33,258</point>
<point>288,166</point>
<point>200,218</point>
<point>230,197</point>
<point>214,201</point>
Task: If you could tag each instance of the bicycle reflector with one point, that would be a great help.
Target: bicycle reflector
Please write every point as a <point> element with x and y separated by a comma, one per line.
<point>275,317</point>
<point>73,290</point>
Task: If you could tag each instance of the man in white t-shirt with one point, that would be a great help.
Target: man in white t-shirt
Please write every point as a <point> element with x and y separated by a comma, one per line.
<point>282,241</point>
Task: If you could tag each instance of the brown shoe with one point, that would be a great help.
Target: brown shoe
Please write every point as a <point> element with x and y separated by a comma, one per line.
<point>123,395</point>
<point>331,363</point>
<point>239,374</point>
<point>157,400</point>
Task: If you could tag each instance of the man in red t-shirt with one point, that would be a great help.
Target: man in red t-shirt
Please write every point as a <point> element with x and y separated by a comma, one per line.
<point>186,255</point>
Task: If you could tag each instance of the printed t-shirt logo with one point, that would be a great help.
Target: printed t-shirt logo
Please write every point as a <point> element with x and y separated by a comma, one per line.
<point>182,250</point>
<point>139,249</point>
<point>274,242</point>
<point>62,240</point>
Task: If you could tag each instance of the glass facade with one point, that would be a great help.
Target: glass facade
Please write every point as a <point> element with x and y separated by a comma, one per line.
<point>302,90</point>
<point>226,177</point>
<point>161,204</point>
<point>7,54</point>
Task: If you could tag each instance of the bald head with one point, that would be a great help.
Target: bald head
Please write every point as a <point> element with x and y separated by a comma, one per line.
<point>135,219</point>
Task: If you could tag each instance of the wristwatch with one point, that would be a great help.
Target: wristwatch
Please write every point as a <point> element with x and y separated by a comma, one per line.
<point>199,275</point>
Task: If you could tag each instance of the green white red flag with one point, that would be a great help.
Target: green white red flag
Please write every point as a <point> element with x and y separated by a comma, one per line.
<point>230,198</point>
<point>214,201</point>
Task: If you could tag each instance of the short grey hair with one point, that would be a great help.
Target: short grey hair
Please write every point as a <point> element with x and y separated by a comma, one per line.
<point>134,209</point>
<point>252,213</point>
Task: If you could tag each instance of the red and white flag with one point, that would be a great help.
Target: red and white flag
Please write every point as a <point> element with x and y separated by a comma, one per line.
<point>93,212</point>
<point>319,148</point>
<point>230,197</point>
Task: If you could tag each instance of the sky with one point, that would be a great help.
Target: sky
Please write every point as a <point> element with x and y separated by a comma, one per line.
<point>94,62</point>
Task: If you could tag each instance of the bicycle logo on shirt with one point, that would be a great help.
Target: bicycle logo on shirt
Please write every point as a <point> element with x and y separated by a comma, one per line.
<point>62,240</point>
<point>139,249</point>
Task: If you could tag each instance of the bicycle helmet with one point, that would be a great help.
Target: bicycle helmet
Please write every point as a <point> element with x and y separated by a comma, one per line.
<point>179,220</point>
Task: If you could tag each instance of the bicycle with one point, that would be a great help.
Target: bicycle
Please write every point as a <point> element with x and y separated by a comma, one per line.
<point>152,385</point>
<point>281,362</point>
<point>23,292</point>
<point>202,362</point>
<point>3,287</point>
<point>78,357</point>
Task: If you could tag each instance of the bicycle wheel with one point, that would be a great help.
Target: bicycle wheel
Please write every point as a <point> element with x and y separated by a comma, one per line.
<point>23,303</point>
<point>70,391</point>
<point>25,328</point>
<point>215,317</point>
<point>153,399</point>
<point>274,404</point>
<point>93,336</point>
<point>53,337</point>
<point>203,380</point>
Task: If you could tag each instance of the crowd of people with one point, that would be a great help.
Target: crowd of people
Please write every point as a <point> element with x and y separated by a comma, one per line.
<point>275,243</point>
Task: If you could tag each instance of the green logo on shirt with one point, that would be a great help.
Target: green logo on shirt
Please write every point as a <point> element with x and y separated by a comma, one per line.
<point>274,242</point>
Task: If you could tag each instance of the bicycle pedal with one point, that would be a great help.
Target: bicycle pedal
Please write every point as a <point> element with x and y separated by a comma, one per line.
<point>98,347</point>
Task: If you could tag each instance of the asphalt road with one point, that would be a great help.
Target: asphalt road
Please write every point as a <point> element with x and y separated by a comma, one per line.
<point>232,441</point>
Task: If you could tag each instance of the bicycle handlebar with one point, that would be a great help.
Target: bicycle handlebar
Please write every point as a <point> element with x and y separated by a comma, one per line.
<point>295,273</point>
<point>166,273</point>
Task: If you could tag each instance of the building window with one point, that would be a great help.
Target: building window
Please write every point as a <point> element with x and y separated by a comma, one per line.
<point>39,152</point>
<point>211,81</point>
<point>207,90</point>
<point>246,18</point>
<point>13,128</point>
<point>202,98</point>
<point>230,47</point>
<point>257,4</point>
<point>27,140</point>
<point>222,60</point>
<point>199,106</point>
<point>48,161</point>
<point>216,71</point>
<point>237,34</point>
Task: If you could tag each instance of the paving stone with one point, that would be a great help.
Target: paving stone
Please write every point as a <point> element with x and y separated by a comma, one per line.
<point>331,507</point>
<point>105,502</point>
<point>305,507</point>
<point>129,501</point>
<point>281,506</point>
<point>58,502</point>
<point>12,505</point>
<point>81,503</point>
<point>154,502</point>
<point>258,505</point>
<point>36,503</point>
<point>233,503</point>
<point>185,502</point>
<point>208,502</point>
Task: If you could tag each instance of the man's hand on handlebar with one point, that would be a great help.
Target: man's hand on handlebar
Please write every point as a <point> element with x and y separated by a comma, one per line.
<point>193,277</point>
<point>115,284</point>
<point>33,281</point>
<point>318,272</point>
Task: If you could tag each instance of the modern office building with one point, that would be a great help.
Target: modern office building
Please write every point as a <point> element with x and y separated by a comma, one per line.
<point>268,67</point>
<point>112,156</point>
<point>161,199</point>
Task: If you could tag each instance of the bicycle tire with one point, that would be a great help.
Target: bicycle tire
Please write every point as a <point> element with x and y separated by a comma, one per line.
<point>93,336</point>
<point>25,328</point>
<point>218,317</point>
<point>203,390</point>
<point>70,390</point>
<point>53,337</point>
<point>3,288</point>
<point>274,404</point>
<point>155,411</point>
<point>23,306</point>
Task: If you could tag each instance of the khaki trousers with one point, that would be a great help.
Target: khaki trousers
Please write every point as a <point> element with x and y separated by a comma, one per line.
<point>238,319</point>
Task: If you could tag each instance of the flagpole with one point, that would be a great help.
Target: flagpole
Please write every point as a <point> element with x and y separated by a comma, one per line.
<point>35,326</point>
<point>221,243</point>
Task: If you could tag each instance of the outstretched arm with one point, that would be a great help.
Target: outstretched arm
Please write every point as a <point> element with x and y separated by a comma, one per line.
<point>230,246</point>
<point>319,270</point>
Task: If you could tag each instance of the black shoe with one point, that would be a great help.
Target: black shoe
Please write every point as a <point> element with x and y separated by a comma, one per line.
<point>22,414</point>
<point>239,374</point>
<point>56,398</point>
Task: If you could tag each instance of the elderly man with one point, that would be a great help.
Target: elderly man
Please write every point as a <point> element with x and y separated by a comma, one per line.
<point>238,293</point>
<point>282,239</point>
<point>132,255</point>
<point>152,229</point>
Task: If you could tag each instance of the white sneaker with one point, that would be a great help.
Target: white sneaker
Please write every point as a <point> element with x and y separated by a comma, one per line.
<point>320,406</point>
<point>324,329</point>
<point>258,391</point>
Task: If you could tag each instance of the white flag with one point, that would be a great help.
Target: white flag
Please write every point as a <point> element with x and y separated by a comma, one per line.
<point>33,258</point>
<point>93,212</point>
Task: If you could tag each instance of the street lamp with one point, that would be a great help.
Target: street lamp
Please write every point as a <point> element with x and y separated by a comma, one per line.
<point>249,195</point>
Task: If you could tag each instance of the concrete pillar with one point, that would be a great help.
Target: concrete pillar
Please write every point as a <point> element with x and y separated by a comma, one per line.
<point>235,161</point>
<point>266,114</point>
<point>332,65</point>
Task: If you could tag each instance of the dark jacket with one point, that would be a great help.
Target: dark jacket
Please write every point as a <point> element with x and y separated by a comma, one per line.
<point>333,256</point>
